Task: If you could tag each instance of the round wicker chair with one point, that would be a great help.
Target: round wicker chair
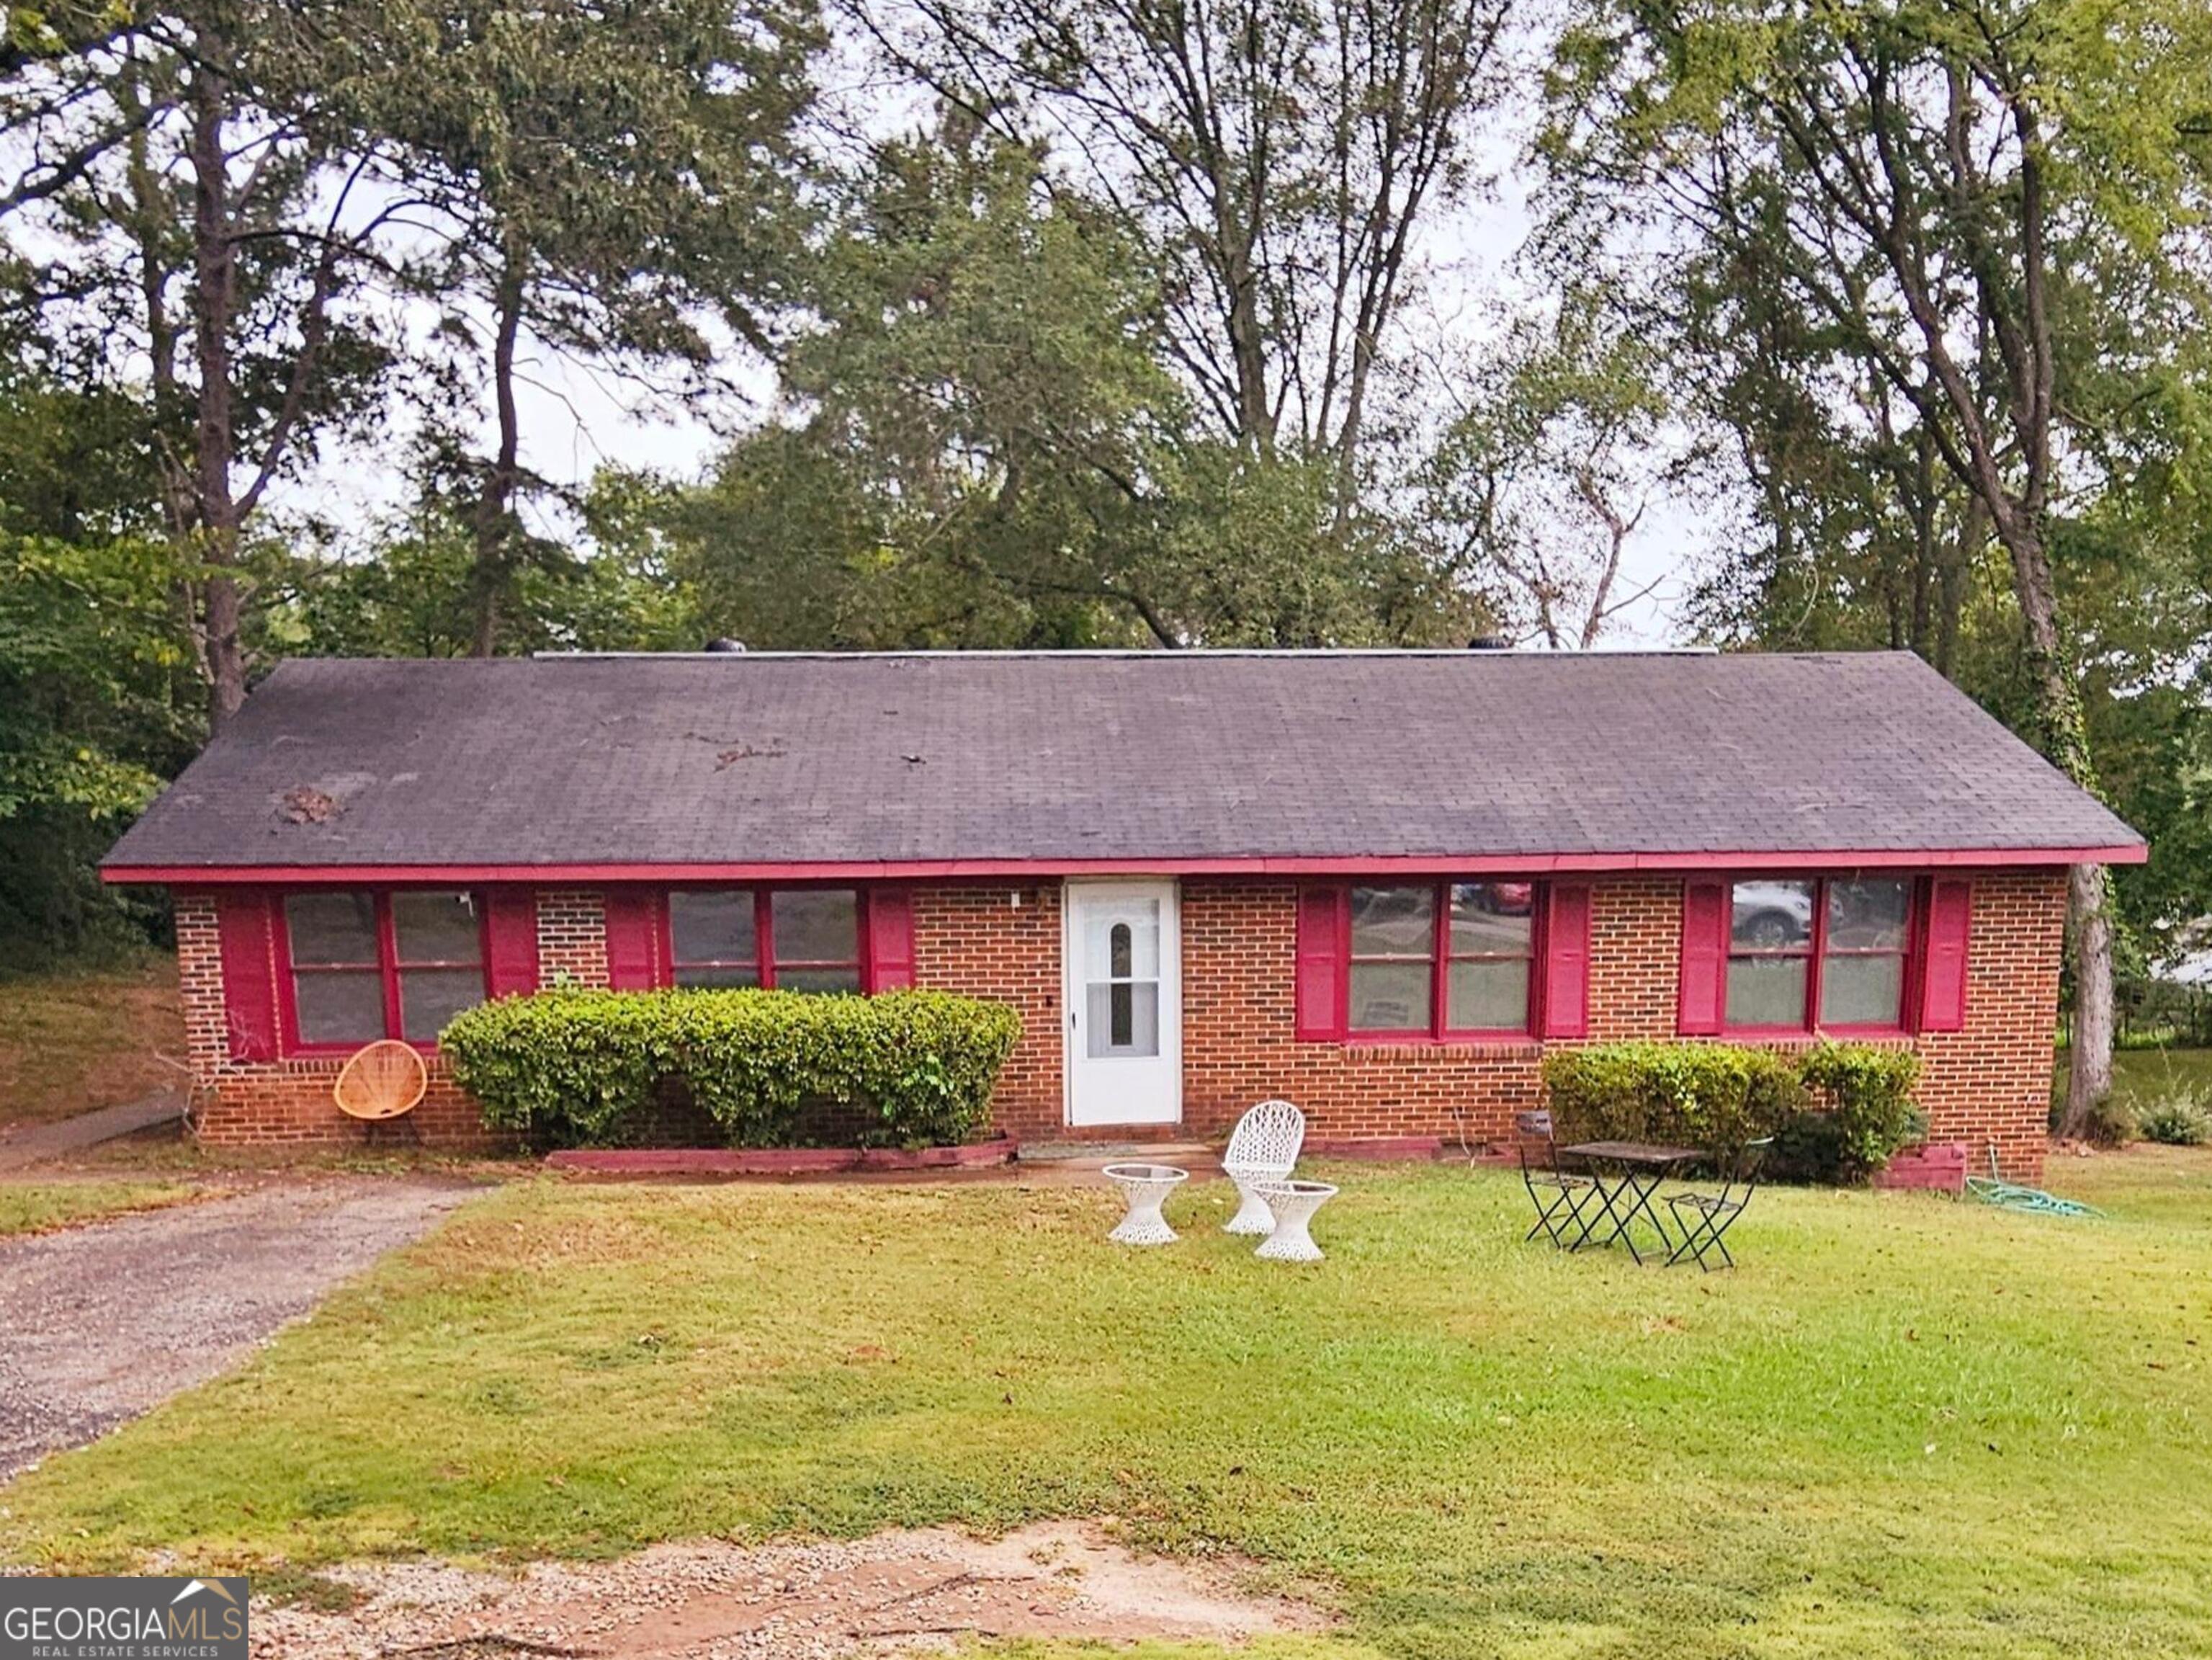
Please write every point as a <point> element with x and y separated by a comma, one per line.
<point>1264,1148</point>
<point>381,1083</point>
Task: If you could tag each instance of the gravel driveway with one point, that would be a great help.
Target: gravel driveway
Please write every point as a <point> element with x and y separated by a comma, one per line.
<point>100,1323</point>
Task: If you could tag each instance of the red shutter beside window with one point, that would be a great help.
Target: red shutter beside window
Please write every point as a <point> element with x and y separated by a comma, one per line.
<point>1944,970</point>
<point>891,940</point>
<point>633,939</point>
<point>1566,961</point>
<point>510,942</point>
<point>1704,958</point>
<point>249,975</point>
<point>1320,963</point>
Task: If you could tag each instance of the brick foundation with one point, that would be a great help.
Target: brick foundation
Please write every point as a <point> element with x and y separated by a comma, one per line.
<point>1990,1082</point>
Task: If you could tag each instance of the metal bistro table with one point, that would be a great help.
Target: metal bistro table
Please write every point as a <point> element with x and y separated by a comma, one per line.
<point>1627,1174</point>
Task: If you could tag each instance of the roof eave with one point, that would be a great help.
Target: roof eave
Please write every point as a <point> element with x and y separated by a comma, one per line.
<point>1523,864</point>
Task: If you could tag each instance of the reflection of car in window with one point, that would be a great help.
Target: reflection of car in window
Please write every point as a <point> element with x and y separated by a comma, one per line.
<point>1772,914</point>
<point>1513,899</point>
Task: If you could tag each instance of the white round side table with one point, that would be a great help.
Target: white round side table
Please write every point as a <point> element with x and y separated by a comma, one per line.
<point>1146,1188</point>
<point>1293,1204</point>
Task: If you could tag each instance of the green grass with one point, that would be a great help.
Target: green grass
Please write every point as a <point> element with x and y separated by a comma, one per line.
<point>77,1040</point>
<point>38,1206</point>
<point>1908,1426</point>
<point>2140,1076</point>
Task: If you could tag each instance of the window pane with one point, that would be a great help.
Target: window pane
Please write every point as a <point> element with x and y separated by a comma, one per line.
<point>1394,922</point>
<point>816,926</point>
<point>1766,991</point>
<point>818,979</point>
<point>340,1007</point>
<point>1861,991</point>
<point>712,925</point>
<point>1121,1018</point>
<point>1867,915</point>
<point>430,997</point>
<point>1487,997</point>
<point>1123,944</point>
<point>436,927</point>
<point>1491,918</point>
<point>738,974</point>
<point>1772,916</point>
<point>1390,996</point>
<point>331,928</point>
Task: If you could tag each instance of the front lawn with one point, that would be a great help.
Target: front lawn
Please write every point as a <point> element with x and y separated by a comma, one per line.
<point>1908,1426</point>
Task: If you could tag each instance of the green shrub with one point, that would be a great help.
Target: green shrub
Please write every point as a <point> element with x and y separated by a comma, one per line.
<point>595,1068</point>
<point>2179,1119</point>
<point>1867,1091</point>
<point>1836,1111</point>
<point>1698,1094</point>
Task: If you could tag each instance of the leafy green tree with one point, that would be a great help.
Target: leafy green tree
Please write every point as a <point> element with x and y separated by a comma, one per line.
<point>604,182</point>
<point>1282,160</point>
<point>99,697</point>
<point>187,215</point>
<point>1925,178</point>
<point>1561,446</point>
<point>983,446</point>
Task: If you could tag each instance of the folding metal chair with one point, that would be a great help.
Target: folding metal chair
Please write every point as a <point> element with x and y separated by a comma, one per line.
<point>1558,1195</point>
<point>1705,1217</point>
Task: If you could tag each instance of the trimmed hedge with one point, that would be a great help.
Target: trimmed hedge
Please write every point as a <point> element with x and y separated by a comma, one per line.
<point>1836,1110</point>
<point>572,1069</point>
<point>1693,1095</point>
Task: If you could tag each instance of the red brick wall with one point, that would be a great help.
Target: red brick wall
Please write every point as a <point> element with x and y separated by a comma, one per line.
<point>287,1102</point>
<point>1989,1082</point>
<point>981,941</point>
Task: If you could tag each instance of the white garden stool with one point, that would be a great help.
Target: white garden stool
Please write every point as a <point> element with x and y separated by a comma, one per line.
<point>1292,1204</point>
<point>1146,1188</point>
<point>1265,1147</point>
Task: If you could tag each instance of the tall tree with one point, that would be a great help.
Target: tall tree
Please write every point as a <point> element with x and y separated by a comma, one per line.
<point>1285,158</point>
<point>1562,444</point>
<point>981,447</point>
<point>607,179</point>
<point>1923,176</point>
<point>190,218</point>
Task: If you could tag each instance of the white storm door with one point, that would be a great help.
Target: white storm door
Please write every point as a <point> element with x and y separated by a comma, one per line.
<point>1123,956</point>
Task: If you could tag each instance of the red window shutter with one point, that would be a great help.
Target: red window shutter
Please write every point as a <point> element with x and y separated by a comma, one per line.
<point>1320,963</point>
<point>1704,958</point>
<point>633,939</point>
<point>510,941</point>
<point>249,974</point>
<point>891,940</point>
<point>1566,961</point>
<point>1944,972</point>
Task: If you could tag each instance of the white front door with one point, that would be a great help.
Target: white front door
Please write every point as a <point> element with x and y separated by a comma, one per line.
<point>1123,956</point>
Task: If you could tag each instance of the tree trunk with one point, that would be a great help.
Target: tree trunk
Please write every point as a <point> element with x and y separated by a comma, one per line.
<point>2089,1057</point>
<point>214,300</point>
<point>2088,887</point>
<point>495,517</point>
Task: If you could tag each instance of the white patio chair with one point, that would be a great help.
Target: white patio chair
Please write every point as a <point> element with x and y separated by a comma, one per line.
<point>1264,1148</point>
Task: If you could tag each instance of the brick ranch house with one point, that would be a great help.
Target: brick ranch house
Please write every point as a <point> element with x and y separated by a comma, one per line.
<point>1381,884</point>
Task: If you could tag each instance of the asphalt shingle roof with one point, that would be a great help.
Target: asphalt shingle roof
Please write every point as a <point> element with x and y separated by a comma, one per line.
<point>1169,755</point>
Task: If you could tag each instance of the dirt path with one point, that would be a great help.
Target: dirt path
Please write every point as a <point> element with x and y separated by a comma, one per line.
<point>106,1321</point>
<point>896,1592</point>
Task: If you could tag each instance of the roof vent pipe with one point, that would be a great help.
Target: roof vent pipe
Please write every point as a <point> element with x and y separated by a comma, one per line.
<point>723,644</point>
